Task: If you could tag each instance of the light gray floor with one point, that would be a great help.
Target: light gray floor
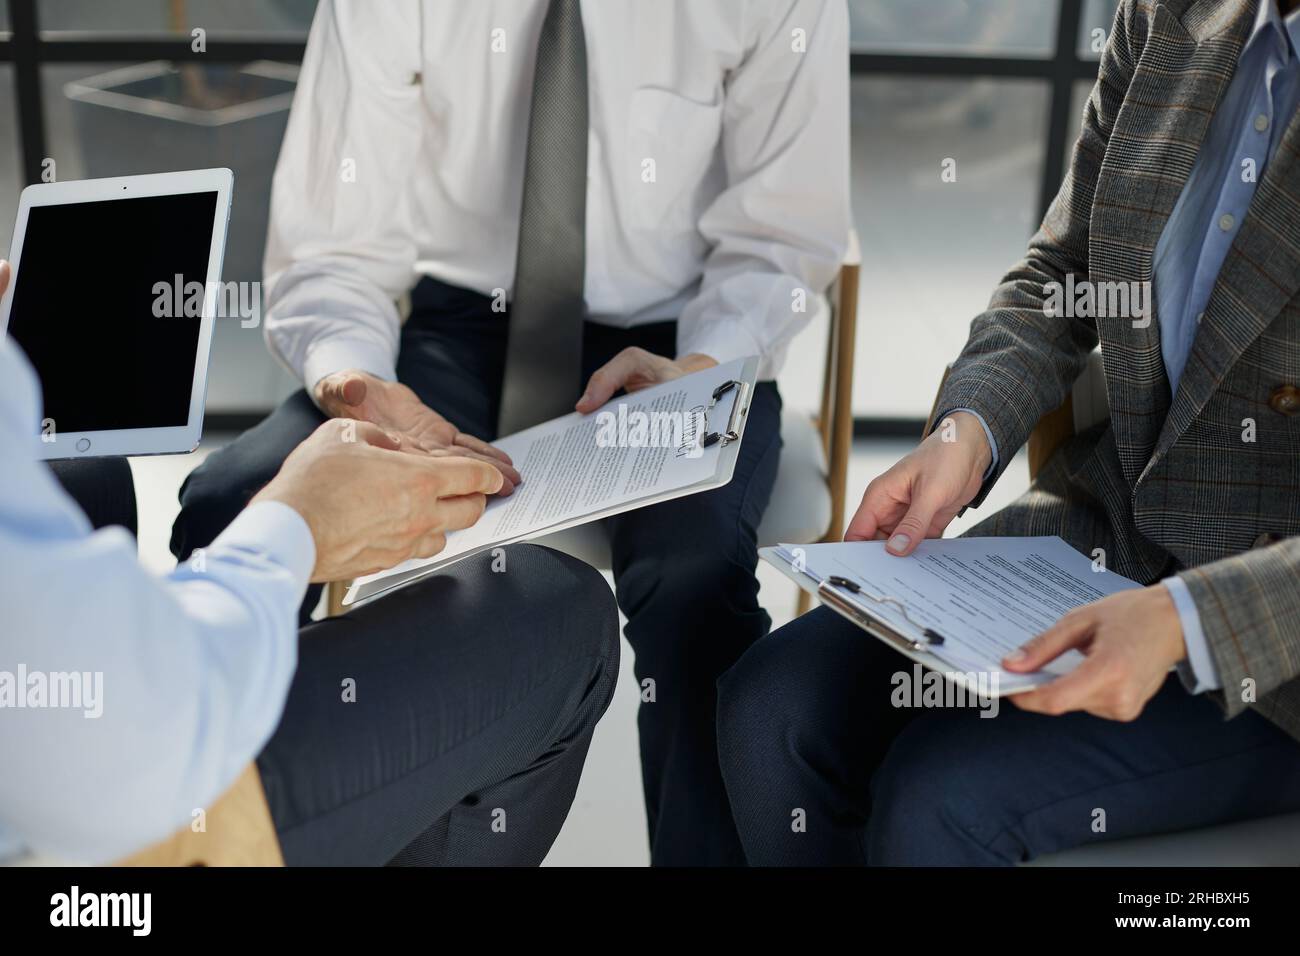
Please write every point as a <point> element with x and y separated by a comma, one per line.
<point>607,824</point>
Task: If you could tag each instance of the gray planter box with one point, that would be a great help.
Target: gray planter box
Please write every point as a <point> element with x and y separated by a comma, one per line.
<point>152,117</point>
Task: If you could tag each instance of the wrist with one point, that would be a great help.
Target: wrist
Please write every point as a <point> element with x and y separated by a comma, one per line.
<point>276,490</point>
<point>1174,641</point>
<point>971,437</point>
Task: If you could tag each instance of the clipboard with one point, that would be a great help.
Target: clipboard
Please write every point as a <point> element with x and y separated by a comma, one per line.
<point>919,643</point>
<point>723,427</point>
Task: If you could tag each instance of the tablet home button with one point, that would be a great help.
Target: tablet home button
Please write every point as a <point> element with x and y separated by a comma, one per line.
<point>83,444</point>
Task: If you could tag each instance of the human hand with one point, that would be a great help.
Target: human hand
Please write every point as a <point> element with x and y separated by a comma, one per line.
<point>634,369</point>
<point>396,409</point>
<point>1129,639</point>
<point>924,490</point>
<point>371,505</point>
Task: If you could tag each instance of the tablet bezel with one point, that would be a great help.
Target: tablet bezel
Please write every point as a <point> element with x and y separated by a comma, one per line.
<point>175,439</point>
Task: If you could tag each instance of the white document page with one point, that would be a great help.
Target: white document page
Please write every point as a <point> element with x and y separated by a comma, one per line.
<point>572,470</point>
<point>984,596</point>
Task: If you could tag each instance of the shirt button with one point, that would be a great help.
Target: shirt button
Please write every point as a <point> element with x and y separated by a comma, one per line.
<point>1227,221</point>
<point>1261,122</point>
<point>1199,317</point>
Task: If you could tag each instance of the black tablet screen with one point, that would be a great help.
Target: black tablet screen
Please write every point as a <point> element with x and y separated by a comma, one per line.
<point>95,308</point>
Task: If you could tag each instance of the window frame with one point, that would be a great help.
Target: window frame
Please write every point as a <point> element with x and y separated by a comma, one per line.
<point>28,49</point>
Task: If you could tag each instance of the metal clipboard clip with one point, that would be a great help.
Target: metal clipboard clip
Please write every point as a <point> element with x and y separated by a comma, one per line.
<point>732,431</point>
<point>831,591</point>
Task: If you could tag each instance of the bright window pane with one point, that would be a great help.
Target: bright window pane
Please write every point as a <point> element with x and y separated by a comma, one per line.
<point>968,27</point>
<point>1094,31</point>
<point>932,251</point>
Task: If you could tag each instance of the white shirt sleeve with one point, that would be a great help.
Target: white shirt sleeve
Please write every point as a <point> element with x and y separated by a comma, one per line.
<point>780,229</point>
<point>340,249</point>
<point>179,682</point>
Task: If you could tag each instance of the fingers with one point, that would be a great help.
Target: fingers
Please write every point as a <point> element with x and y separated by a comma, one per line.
<point>884,500</point>
<point>4,276</point>
<point>1070,631</point>
<point>508,472</point>
<point>372,434</point>
<point>878,506</point>
<point>461,511</point>
<point>465,476</point>
<point>482,447</point>
<point>429,545</point>
<point>493,455</point>
<point>1077,690</point>
<point>609,378</point>
<point>914,526</point>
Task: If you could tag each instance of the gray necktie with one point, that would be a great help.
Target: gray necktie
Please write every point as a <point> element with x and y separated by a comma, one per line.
<point>544,352</point>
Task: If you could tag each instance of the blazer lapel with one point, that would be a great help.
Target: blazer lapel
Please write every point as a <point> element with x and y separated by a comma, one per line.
<point>1260,275</point>
<point>1184,69</point>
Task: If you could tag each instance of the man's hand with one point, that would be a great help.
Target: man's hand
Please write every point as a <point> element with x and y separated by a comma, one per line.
<point>633,369</point>
<point>395,408</point>
<point>369,505</point>
<point>917,497</point>
<point>1130,640</point>
<point>4,276</point>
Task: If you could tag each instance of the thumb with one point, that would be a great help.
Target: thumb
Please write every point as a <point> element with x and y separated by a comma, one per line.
<point>343,388</point>
<point>912,529</point>
<point>608,379</point>
<point>1070,631</point>
<point>4,276</point>
<point>352,390</point>
<point>372,434</point>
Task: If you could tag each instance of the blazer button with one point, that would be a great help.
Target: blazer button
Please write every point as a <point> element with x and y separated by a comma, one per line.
<point>1265,539</point>
<point>1285,400</point>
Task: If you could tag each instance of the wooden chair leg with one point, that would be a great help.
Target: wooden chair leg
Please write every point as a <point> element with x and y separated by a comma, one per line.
<point>835,423</point>
<point>335,592</point>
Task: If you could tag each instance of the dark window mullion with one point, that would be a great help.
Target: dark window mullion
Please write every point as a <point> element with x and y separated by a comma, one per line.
<point>1060,123</point>
<point>66,47</point>
<point>27,86</point>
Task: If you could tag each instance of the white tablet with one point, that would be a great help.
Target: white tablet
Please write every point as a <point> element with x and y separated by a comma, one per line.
<point>114,290</point>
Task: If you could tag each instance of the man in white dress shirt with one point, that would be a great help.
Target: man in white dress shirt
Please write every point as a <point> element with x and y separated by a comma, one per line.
<point>612,193</point>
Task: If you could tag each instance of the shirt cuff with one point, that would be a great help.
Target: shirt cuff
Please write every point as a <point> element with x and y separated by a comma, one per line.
<point>1197,672</point>
<point>276,530</point>
<point>723,340</point>
<point>336,354</point>
<point>988,433</point>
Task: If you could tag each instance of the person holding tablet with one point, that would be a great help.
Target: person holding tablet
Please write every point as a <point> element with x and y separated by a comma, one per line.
<point>400,733</point>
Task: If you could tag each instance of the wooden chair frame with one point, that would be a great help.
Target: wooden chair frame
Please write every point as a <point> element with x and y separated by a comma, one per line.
<point>238,831</point>
<point>835,420</point>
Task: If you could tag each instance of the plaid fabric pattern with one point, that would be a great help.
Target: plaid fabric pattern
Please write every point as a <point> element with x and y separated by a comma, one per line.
<point>1191,482</point>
